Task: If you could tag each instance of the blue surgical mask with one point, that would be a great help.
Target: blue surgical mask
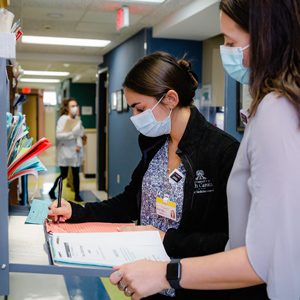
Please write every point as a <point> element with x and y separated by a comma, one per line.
<point>232,59</point>
<point>146,123</point>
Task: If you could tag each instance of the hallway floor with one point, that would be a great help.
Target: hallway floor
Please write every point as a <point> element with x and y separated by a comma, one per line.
<point>24,286</point>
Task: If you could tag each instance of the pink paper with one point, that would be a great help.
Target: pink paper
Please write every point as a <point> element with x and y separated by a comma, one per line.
<point>84,227</point>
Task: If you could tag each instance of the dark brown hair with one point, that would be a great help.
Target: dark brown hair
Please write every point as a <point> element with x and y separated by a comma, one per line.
<point>64,110</point>
<point>274,28</point>
<point>238,11</point>
<point>154,75</point>
<point>275,54</point>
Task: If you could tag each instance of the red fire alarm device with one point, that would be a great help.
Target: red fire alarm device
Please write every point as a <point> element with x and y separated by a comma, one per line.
<point>122,18</point>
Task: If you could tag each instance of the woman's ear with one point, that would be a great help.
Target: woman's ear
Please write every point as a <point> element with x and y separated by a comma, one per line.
<point>171,99</point>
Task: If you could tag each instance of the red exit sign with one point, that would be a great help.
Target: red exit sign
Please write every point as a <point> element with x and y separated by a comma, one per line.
<point>122,18</point>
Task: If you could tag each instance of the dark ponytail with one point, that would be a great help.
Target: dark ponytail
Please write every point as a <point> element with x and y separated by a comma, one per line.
<point>154,75</point>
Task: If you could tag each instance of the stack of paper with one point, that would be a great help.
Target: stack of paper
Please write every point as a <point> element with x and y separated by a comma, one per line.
<point>21,156</point>
<point>9,33</point>
<point>107,249</point>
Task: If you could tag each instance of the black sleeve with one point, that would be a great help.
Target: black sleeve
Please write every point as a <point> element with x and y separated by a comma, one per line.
<point>120,209</point>
<point>181,243</point>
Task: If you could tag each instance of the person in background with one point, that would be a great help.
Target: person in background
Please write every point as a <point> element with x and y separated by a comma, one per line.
<point>70,145</point>
<point>185,163</point>
<point>261,47</point>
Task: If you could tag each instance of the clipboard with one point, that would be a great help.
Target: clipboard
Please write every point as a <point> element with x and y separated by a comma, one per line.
<point>70,124</point>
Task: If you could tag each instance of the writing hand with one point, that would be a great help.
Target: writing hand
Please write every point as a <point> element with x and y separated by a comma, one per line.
<point>65,211</point>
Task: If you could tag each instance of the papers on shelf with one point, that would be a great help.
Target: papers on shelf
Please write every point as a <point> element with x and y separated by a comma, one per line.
<point>6,21</point>
<point>8,35</point>
<point>107,249</point>
<point>19,100</point>
<point>22,160</point>
<point>21,156</point>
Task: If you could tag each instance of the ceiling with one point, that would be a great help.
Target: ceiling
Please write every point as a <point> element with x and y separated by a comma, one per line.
<point>96,19</point>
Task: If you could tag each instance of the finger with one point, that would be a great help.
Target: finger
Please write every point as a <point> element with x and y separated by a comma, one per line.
<point>121,286</point>
<point>117,267</point>
<point>53,204</point>
<point>54,212</point>
<point>127,292</point>
<point>135,296</point>
<point>115,277</point>
<point>58,211</point>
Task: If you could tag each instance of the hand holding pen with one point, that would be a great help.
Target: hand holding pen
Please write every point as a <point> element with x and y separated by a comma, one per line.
<point>60,209</point>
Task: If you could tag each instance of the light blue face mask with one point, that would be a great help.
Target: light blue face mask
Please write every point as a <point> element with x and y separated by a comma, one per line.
<point>146,123</point>
<point>232,59</point>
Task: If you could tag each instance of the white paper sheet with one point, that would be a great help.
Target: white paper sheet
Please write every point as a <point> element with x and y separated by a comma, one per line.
<point>107,249</point>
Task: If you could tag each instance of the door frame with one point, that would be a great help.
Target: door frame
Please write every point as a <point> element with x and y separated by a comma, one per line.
<point>102,179</point>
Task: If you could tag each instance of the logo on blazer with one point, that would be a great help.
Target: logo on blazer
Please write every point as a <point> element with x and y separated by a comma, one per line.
<point>202,184</point>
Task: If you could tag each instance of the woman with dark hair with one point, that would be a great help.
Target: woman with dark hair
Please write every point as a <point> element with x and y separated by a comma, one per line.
<point>263,257</point>
<point>70,146</point>
<point>177,144</point>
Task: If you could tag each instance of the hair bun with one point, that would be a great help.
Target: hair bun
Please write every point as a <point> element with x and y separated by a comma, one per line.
<point>187,67</point>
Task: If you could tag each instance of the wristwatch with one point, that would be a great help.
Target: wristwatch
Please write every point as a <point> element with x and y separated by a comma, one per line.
<point>174,273</point>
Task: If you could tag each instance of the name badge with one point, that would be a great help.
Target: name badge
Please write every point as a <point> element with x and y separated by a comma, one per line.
<point>175,176</point>
<point>244,116</point>
<point>166,209</point>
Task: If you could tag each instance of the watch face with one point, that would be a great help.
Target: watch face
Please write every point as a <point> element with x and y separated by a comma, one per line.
<point>173,271</point>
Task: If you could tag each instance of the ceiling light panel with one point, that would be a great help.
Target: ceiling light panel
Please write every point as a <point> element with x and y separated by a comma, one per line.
<point>46,73</point>
<point>39,80</point>
<point>43,40</point>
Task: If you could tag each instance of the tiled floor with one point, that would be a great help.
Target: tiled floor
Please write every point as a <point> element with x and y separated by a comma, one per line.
<point>24,286</point>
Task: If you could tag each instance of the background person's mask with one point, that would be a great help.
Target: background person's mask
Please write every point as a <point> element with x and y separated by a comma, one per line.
<point>74,110</point>
<point>146,123</point>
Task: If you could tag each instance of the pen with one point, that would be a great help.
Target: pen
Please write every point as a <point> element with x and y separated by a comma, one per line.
<point>59,196</point>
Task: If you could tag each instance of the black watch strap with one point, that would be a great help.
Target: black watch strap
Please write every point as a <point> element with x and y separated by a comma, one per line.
<point>174,273</point>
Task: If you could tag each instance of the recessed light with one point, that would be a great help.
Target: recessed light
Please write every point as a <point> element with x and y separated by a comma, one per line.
<point>39,80</point>
<point>46,73</point>
<point>45,40</point>
<point>55,15</point>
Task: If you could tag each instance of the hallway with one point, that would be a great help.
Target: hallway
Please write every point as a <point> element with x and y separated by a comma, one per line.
<point>88,189</point>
